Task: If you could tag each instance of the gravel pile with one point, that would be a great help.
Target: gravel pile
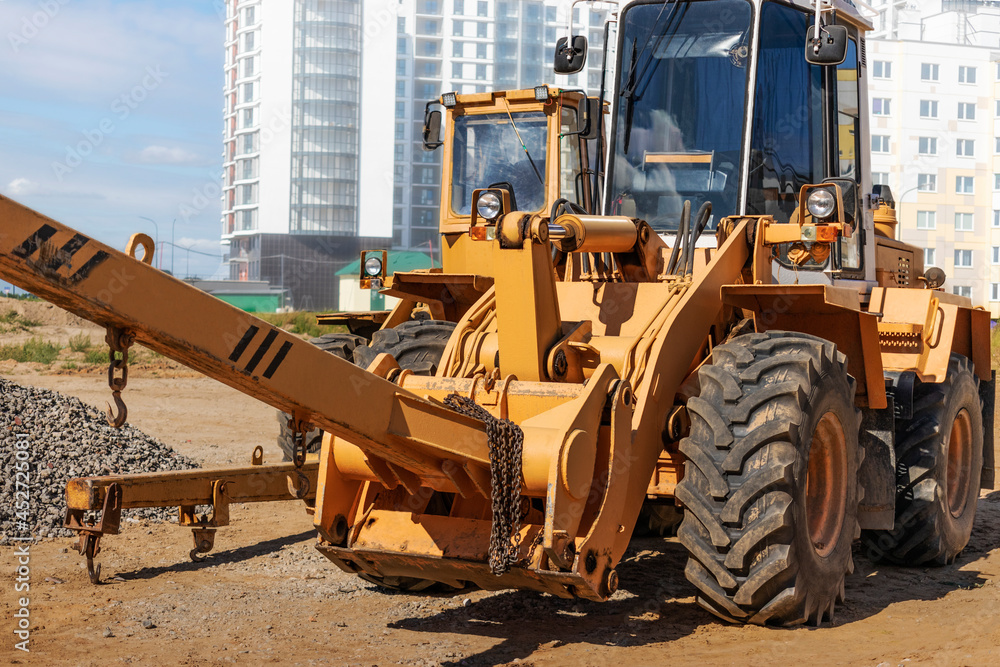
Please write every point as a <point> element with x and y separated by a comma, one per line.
<point>66,438</point>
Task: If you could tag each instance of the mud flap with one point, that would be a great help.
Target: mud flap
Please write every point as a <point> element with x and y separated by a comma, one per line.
<point>877,474</point>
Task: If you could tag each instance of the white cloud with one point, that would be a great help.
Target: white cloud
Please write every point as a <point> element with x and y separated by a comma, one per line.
<point>165,155</point>
<point>22,186</point>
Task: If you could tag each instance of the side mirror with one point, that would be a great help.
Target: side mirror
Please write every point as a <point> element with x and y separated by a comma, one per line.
<point>592,118</point>
<point>432,130</point>
<point>571,54</point>
<point>830,48</point>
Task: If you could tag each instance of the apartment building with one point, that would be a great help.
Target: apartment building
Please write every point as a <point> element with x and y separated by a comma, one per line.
<point>934,86</point>
<point>305,184</point>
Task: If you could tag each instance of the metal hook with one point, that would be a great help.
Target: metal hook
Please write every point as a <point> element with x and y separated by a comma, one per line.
<point>117,420</point>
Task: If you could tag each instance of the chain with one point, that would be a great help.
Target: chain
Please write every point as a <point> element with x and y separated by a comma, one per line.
<point>506,443</point>
<point>119,341</point>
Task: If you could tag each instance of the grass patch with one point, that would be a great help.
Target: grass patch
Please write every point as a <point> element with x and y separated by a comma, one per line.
<point>13,320</point>
<point>300,322</point>
<point>70,366</point>
<point>96,357</point>
<point>995,345</point>
<point>79,343</point>
<point>35,350</point>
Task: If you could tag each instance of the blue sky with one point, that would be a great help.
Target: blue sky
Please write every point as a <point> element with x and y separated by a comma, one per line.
<point>112,110</point>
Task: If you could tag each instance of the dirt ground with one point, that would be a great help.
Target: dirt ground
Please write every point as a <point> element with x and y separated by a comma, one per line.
<point>265,596</point>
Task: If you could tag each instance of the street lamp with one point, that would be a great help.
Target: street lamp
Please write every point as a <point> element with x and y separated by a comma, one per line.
<point>156,227</point>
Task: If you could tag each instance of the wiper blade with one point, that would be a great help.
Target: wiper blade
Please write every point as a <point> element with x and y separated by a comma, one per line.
<point>530,161</point>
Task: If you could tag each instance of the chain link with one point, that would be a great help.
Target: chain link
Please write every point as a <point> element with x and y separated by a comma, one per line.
<point>119,341</point>
<point>506,443</point>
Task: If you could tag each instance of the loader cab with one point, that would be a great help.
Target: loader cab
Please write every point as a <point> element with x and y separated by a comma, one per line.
<point>528,147</point>
<point>714,101</point>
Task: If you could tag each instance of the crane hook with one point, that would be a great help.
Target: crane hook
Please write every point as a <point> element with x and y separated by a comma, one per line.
<point>117,420</point>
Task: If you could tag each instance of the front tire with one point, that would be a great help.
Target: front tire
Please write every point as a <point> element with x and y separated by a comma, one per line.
<point>939,461</point>
<point>770,487</point>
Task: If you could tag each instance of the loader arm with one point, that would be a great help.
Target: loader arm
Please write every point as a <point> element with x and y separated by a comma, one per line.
<point>113,289</point>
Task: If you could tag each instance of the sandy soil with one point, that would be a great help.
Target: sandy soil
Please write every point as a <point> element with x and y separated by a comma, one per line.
<point>266,596</point>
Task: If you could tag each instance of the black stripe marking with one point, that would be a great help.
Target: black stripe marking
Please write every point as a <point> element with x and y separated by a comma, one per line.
<point>33,242</point>
<point>66,253</point>
<point>99,258</point>
<point>278,358</point>
<point>242,345</point>
<point>261,351</point>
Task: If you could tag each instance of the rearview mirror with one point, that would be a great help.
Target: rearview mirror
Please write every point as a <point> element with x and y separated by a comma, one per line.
<point>432,130</point>
<point>830,48</point>
<point>571,54</point>
<point>592,122</point>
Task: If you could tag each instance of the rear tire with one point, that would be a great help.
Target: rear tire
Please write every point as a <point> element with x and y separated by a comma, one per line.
<point>416,345</point>
<point>939,461</point>
<point>770,487</point>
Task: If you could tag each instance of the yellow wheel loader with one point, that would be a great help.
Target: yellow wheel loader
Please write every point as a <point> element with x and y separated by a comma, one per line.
<point>736,338</point>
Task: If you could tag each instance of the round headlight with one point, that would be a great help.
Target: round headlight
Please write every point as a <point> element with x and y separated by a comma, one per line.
<point>488,205</point>
<point>373,266</point>
<point>821,203</point>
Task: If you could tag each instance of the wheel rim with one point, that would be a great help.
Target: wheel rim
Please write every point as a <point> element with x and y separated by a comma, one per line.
<point>959,473</point>
<point>826,484</point>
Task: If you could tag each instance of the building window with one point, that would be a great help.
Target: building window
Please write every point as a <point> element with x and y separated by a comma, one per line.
<point>400,68</point>
<point>929,257</point>
<point>880,178</point>
<point>996,181</point>
<point>248,16</point>
<point>927,182</point>
<point>964,185</point>
<point>247,118</point>
<point>459,7</point>
<point>996,109</point>
<point>456,70</point>
<point>481,51</point>
<point>996,218</point>
<point>962,290</point>
<point>400,89</point>
<point>963,259</point>
<point>880,106</point>
<point>398,153</point>
<point>482,8</point>
<point>457,28</point>
<point>480,72</point>
<point>880,143</point>
<point>994,291</point>
<point>996,254</point>
<point>882,69</point>
<point>963,222</point>
<point>928,109</point>
<point>928,72</point>
<point>248,92</point>
<point>400,109</point>
<point>457,49</point>
<point>400,131</point>
<point>965,147</point>
<point>996,144</point>
<point>401,46</point>
<point>966,74</point>
<point>966,111</point>
<point>926,219</point>
<point>481,30</point>
<point>927,145</point>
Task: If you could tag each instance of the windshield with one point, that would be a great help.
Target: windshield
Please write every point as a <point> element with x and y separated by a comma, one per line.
<point>487,151</point>
<point>680,109</point>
